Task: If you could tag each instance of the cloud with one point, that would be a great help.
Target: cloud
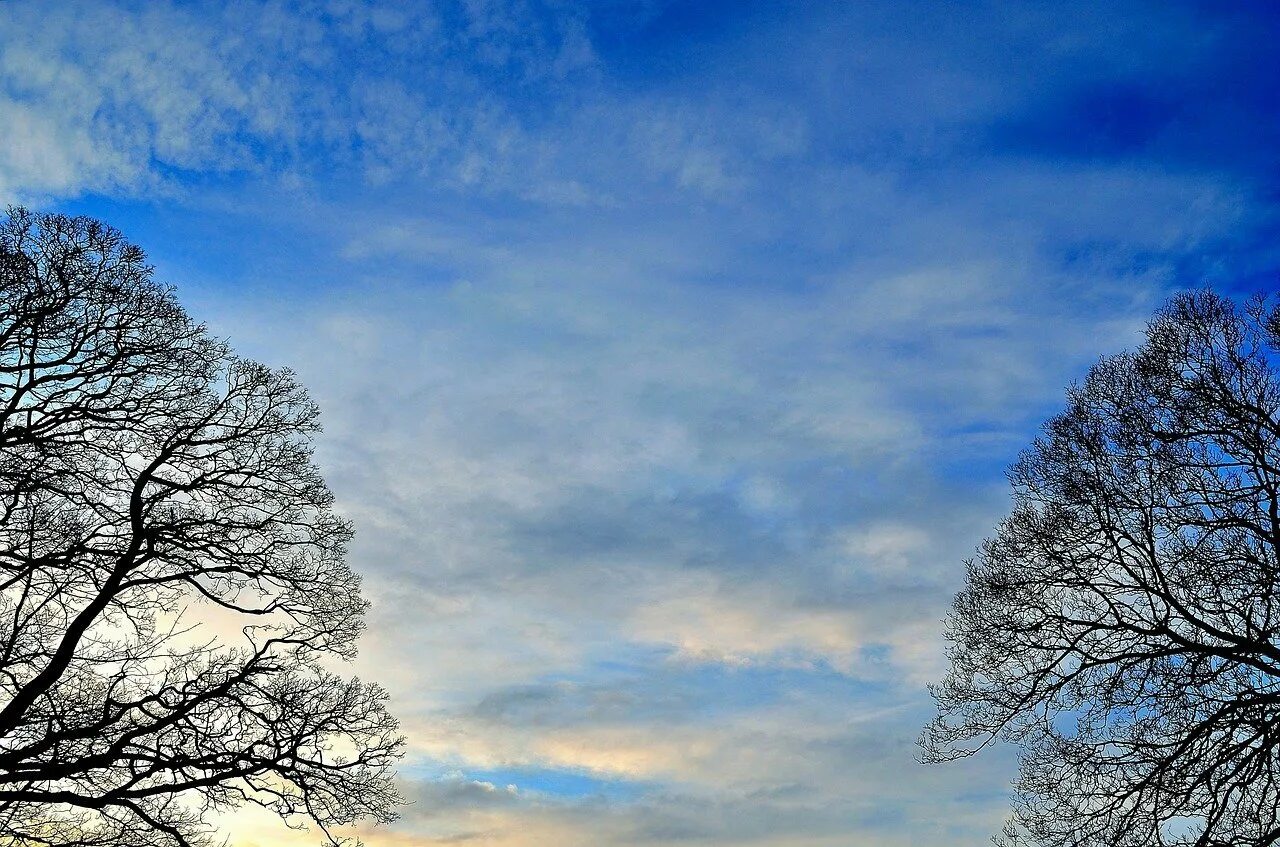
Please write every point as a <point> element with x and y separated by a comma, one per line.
<point>584,475</point>
<point>454,95</point>
<point>670,356</point>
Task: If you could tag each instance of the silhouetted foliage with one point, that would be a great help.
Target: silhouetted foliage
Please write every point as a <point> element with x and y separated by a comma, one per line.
<point>1123,624</point>
<point>172,575</point>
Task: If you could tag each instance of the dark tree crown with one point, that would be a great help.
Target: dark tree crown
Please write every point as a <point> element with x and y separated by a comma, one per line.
<point>172,572</point>
<point>1122,625</point>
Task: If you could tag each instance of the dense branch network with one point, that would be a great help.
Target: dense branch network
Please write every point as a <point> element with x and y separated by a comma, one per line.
<point>172,574</point>
<point>1123,624</point>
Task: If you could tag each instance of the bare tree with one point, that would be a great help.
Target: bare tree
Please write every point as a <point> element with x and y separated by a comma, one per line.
<point>172,575</point>
<point>1123,624</point>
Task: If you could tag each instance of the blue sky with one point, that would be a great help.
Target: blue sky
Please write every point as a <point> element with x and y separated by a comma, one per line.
<point>671,353</point>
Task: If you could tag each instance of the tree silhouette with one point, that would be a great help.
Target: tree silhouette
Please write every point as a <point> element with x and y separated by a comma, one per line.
<point>1123,624</point>
<point>172,575</point>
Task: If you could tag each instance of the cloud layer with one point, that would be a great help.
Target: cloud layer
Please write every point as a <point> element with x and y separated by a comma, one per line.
<point>671,353</point>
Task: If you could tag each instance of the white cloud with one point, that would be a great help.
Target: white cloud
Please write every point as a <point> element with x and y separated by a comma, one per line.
<point>641,392</point>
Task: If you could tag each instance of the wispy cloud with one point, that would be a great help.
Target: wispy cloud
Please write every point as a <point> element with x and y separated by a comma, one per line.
<point>670,353</point>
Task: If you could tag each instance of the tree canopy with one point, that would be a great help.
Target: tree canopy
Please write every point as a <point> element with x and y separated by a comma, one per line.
<point>172,572</point>
<point>1122,625</point>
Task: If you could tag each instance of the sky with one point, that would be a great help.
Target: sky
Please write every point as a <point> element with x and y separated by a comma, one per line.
<point>670,353</point>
